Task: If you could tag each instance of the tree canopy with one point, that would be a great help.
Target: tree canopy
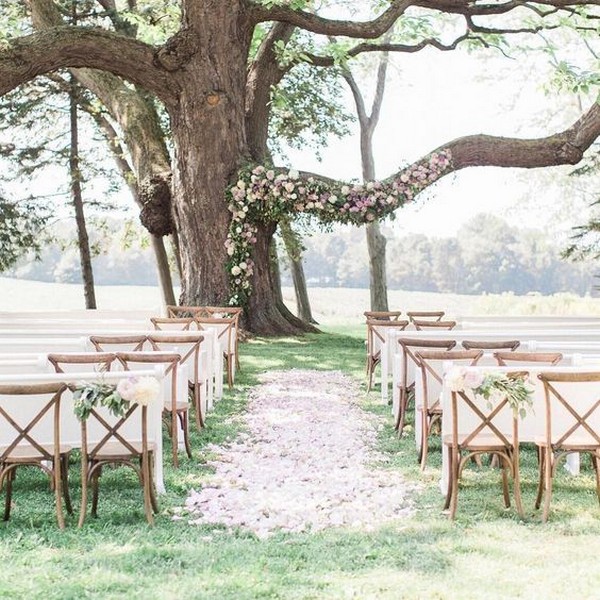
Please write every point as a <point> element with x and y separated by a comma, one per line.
<point>214,76</point>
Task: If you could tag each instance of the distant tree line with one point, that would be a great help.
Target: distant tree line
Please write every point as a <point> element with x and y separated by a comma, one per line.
<point>487,256</point>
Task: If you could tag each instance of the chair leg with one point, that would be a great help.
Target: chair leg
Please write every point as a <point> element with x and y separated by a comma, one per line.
<point>541,467</point>
<point>450,472</point>
<point>517,483</point>
<point>10,474</point>
<point>58,492</point>
<point>84,491</point>
<point>424,440</point>
<point>95,490</point>
<point>152,487</point>
<point>229,365</point>
<point>183,419</point>
<point>548,472</point>
<point>64,471</point>
<point>400,416</point>
<point>597,473</point>
<point>145,472</point>
<point>454,474</point>
<point>370,370</point>
<point>505,491</point>
<point>174,439</point>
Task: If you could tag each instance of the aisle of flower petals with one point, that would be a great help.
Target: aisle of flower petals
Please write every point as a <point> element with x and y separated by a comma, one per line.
<point>305,462</point>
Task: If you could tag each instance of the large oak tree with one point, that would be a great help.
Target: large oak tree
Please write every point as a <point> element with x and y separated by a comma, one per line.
<point>218,104</point>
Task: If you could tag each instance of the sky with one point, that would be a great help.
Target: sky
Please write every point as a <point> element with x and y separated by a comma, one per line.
<point>433,97</point>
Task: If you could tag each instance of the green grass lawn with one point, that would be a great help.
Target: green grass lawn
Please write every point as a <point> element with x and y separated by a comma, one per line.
<point>487,553</point>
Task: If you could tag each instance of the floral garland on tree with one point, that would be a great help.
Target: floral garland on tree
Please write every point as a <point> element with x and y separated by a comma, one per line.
<point>263,195</point>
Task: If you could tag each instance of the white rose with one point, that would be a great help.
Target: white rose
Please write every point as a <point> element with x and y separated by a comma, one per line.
<point>241,184</point>
<point>293,174</point>
<point>289,186</point>
<point>455,379</point>
<point>243,266</point>
<point>125,388</point>
<point>345,190</point>
<point>146,390</point>
<point>235,271</point>
<point>473,378</point>
<point>333,199</point>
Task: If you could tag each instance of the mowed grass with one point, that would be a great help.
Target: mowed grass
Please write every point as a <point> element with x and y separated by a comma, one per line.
<point>487,553</point>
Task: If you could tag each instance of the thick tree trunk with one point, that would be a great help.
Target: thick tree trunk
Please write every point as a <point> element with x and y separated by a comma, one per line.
<point>376,242</point>
<point>163,269</point>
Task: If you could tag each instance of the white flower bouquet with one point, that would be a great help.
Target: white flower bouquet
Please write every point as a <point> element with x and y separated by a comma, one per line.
<point>493,386</point>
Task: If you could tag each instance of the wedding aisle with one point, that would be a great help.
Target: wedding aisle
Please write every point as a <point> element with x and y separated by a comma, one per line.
<point>305,462</point>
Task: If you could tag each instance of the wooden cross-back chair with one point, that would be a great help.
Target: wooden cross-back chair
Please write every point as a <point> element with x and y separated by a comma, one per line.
<point>173,323</point>
<point>409,348</point>
<point>118,343</point>
<point>225,328</point>
<point>478,428</point>
<point>173,409</point>
<point>509,359</point>
<point>421,325</point>
<point>30,434</point>
<point>72,361</point>
<point>213,312</point>
<point>572,424</point>
<point>107,439</point>
<point>425,315</point>
<point>506,345</point>
<point>188,346</point>
<point>431,366</point>
<point>375,342</point>
<point>382,315</point>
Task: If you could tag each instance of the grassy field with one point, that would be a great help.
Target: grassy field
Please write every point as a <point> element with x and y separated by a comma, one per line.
<point>487,553</point>
<point>331,306</point>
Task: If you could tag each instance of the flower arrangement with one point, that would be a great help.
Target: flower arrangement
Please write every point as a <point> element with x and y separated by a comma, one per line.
<point>117,398</point>
<point>262,195</point>
<point>493,386</point>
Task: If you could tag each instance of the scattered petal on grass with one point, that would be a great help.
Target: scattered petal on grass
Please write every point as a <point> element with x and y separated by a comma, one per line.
<point>306,463</point>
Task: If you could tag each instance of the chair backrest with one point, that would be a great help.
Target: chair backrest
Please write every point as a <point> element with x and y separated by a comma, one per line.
<point>30,420</point>
<point>508,345</point>
<point>505,359</point>
<point>421,325</point>
<point>572,402</point>
<point>431,366</point>
<point>425,315</point>
<point>225,327</point>
<point>138,360</point>
<point>72,361</point>
<point>186,346</point>
<point>410,347</point>
<point>476,421</point>
<point>118,343</point>
<point>103,433</point>
<point>382,315</point>
<point>376,333</point>
<point>173,323</point>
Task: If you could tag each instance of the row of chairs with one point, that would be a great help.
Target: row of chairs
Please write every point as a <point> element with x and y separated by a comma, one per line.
<point>111,444</point>
<point>563,393</point>
<point>379,321</point>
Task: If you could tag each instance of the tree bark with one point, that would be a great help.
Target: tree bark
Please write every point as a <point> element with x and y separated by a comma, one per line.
<point>85,256</point>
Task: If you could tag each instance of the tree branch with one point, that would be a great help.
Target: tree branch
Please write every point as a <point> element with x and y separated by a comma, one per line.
<point>312,22</point>
<point>22,59</point>
<point>566,147</point>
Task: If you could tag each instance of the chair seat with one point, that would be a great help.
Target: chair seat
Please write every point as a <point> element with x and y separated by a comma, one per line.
<point>483,441</point>
<point>179,406</point>
<point>117,451</point>
<point>28,452</point>
<point>576,443</point>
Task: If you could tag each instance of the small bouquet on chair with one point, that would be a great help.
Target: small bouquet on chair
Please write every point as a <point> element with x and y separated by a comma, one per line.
<point>493,386</point>
<point>116,398</point>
